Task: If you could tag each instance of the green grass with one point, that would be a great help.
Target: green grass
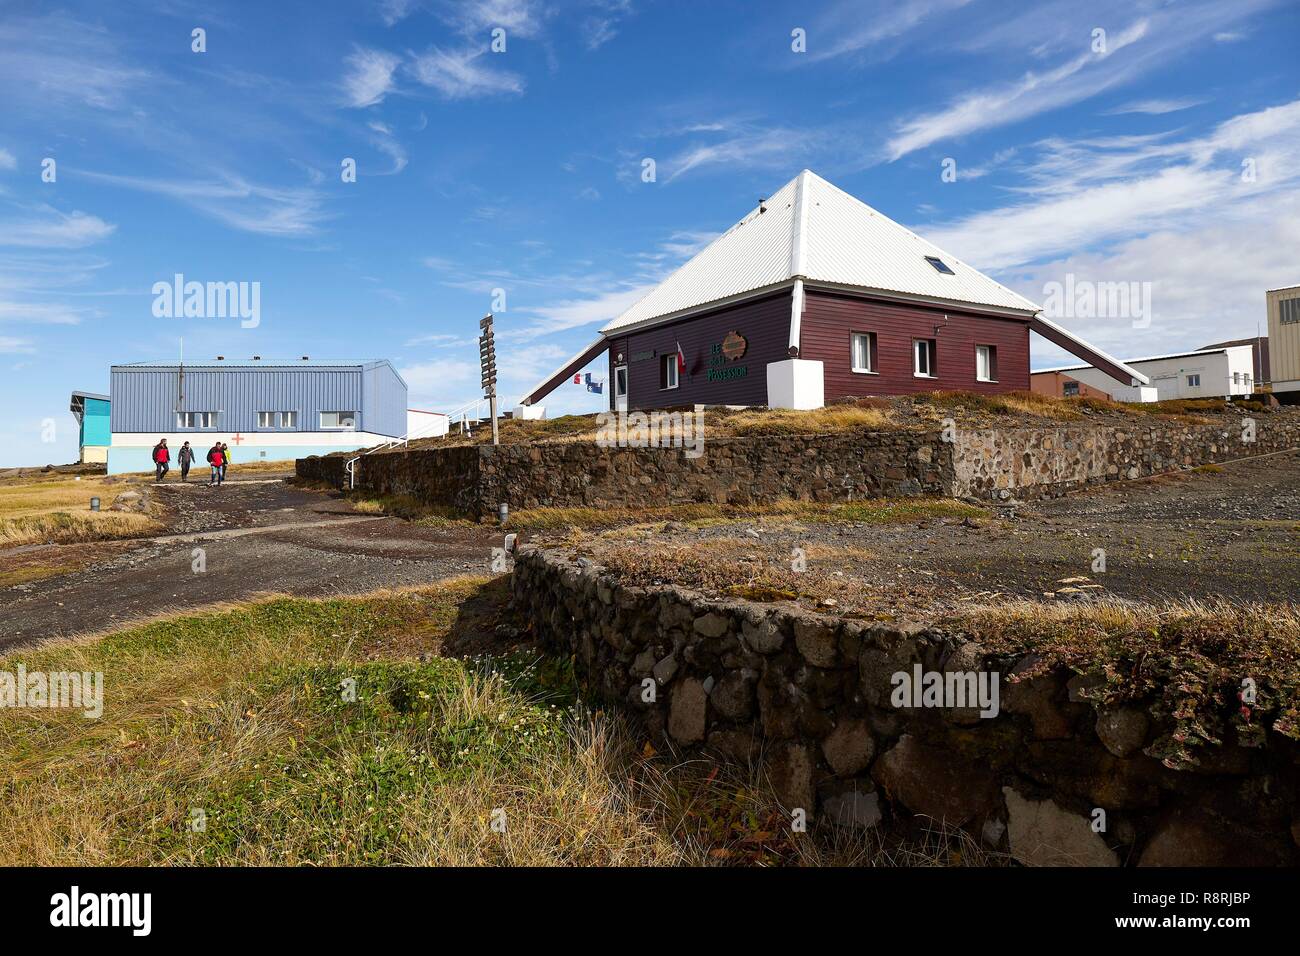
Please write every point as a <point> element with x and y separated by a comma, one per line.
<point>227,739</point>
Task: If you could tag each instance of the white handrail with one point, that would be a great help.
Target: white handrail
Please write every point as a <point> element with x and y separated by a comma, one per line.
<point>350,466</point>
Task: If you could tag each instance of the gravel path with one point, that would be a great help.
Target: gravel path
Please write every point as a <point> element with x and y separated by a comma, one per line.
<point>256,536</point>
<point>1232,534</point>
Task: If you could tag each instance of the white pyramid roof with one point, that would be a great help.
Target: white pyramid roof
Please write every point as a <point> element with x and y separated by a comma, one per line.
<point>816,231</point>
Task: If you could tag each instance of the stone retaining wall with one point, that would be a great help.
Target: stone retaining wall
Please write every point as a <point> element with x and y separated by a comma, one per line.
<point>1037,462</point>
<point>989,463</point>
<point>810,697</point>
<point>582,474</point>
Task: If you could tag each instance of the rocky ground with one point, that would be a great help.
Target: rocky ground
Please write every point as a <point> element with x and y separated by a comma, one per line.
<point>256,536</point>
<point>1231,532</point>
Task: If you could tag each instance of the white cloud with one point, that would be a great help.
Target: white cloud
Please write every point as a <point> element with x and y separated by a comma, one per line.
<point>54,230</point>
<point>442,382</point>
<point>462,74</point>
<point>394,11</point>
<point>602,26</point>
<point>521,18</point>
<point>249,207</point>
<point>573,313</point>
<point>1061,33</point>
<point>777,148</point>
<point>1208,281</point>
<point>1157,107</point>
<point>1076,79</point>
<point>852,26</point>
<point>39,313</point>
<point>369,76</point>
<point>7,160</point>
<point>54,59</point>
<point>15,346</point>
<point>1091,192</point>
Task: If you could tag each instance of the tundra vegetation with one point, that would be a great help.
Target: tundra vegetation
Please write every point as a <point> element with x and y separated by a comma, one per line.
<point>332,732</point>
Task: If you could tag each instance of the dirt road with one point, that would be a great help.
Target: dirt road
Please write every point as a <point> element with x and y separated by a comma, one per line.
<point>228,544</point>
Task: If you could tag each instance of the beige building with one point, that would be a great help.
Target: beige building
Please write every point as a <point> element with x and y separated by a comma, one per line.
<point>1284,338</point>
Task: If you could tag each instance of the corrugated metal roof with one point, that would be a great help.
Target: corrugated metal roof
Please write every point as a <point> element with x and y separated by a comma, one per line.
<point>227,363</point>
<point>813,226</point>
<point>1149,358</point>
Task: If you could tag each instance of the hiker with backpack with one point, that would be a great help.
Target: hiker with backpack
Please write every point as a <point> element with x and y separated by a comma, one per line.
<point>161,456</point>
<point>225,459</point>
<point>185,458</point>
<point>218,461</point>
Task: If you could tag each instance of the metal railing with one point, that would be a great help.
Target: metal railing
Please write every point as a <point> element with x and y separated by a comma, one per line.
<point>351,465</point>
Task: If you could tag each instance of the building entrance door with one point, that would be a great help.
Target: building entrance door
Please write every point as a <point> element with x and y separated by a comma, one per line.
<point>620,388</point>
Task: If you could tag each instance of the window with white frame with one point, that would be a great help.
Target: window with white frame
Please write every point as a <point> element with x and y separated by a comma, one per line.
<point>864,351</point>
<point>196,419</point>
<point>277,419</point>
<point>1070,389</point>
<point>986,363</point>
<point>338,419</point>
<point>668,371</point>
<point>1193,381</point>
<point>923,358</point>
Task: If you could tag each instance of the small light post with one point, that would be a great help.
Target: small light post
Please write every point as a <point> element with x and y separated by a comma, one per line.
<point>503,513</point>
<point>94,504</point>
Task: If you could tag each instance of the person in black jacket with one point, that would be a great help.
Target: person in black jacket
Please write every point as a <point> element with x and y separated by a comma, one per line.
<point>185,458</point>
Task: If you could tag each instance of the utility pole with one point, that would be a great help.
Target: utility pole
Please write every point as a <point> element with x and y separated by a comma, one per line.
<point>487,356</point>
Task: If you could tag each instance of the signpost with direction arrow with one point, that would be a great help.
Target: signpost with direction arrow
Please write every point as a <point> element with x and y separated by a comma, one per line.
<point>487,356</point>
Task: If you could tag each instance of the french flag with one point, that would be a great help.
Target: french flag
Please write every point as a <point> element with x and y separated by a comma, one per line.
<point>681,359</point>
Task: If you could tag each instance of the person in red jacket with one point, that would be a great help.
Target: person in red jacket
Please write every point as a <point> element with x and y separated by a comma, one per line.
<point>161,456</point>
<point>217,460</point>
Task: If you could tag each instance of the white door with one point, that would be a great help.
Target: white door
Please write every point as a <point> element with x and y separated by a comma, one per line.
<point>620,388</point>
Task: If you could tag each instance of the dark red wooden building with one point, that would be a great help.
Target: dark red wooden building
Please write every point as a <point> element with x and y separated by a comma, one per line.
<point>816,296</point>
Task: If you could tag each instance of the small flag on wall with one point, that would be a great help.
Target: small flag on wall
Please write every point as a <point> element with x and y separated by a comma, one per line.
<point>681,359</point>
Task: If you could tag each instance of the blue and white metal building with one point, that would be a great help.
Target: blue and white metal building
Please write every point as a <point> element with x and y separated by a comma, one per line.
<point>266,411</point>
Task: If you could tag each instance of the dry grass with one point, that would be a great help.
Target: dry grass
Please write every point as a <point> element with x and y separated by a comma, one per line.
<point>965,406</point>
<point>833,418</point>
<point>409,508</point>
<point>236,717</point>
<point>1190,657</point>
<point>875,511</point>
<point>63,527</point>
<point>58,510</point>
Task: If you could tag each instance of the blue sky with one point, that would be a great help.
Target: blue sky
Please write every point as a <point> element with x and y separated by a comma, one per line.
<point>521,170</point>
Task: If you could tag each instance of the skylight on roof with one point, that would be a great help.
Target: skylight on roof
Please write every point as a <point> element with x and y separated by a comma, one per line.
<point>939,265</point>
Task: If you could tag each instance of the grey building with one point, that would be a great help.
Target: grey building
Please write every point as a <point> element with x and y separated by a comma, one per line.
<point>263,410</point>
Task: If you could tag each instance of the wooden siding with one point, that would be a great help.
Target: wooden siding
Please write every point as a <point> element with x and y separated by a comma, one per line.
<point>829,319</point>
<point>765,324</point>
